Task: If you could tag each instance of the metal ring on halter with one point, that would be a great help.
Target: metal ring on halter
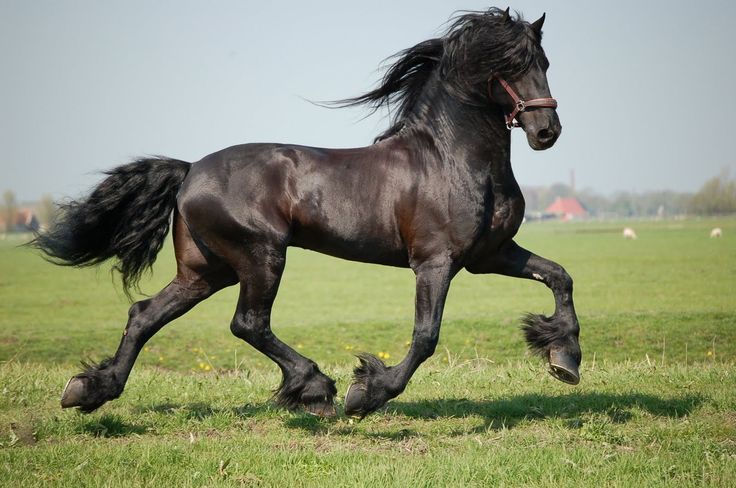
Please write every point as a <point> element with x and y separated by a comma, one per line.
<point>520,105</point>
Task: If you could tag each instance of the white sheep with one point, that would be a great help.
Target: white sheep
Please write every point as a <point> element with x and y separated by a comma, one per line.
<point>629,233</point>
<point>717,232</point>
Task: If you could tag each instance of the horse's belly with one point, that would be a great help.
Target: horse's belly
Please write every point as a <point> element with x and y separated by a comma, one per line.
<point>358,225</point>
<point>364,249</point>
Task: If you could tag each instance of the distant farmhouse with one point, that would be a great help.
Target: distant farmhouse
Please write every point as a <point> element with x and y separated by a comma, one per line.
<point>566,209</point>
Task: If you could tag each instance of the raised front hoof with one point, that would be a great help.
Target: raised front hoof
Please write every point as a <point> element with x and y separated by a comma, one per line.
<point>77,394</point>
<point>563,367</point>
<point>73,393</point>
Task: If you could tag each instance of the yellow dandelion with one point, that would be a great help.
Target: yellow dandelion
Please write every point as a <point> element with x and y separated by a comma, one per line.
<point>407,343</point>
<point>160,358</point>
<point>299,346</point>
<point>202,365</point>
<point>349,347</point>
<point>709,354</point>
<point>207,367</point>
<point>384,355</point>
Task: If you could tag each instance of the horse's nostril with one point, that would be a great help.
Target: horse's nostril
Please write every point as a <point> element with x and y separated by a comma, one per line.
<point>545,135</point>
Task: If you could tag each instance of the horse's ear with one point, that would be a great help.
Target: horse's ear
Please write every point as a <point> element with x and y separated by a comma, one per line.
<point>537,26</point>
<point>506,15</point>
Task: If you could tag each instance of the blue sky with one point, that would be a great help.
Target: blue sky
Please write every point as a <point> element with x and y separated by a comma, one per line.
<point>645,88</point>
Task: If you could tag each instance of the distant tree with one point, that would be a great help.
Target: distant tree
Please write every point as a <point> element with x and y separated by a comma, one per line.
<point>623,205</point>
<point>47,210</point>
<point>531,198</point>
<point>594,204</point>
<point>10,209</point>
<point>670,203</point>
<point>716,197</point>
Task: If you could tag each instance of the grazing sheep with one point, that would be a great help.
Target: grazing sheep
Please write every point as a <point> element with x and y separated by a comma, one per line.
<point>629,233</point>
<point>717,232</point>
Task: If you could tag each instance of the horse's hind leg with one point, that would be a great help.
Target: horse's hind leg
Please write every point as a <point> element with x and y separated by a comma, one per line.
<point>303,384</point>
<point>198,277</point>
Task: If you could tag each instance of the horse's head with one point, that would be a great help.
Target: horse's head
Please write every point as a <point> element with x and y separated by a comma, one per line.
<point>525,98</point>
<point>485,58</point>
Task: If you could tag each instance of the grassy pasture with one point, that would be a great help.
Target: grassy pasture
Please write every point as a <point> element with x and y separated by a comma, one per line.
<point>656,405</point>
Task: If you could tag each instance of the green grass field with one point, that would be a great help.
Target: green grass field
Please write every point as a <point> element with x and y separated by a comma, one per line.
<point>656,405</point>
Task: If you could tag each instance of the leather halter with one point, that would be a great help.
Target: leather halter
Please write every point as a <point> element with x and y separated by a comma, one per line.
<point>520,104</point>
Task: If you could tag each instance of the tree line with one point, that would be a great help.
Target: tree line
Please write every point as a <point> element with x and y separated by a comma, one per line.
<point>717,196</point>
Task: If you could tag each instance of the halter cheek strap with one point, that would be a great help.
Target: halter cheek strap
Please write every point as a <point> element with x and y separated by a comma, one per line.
<point>519,103</point>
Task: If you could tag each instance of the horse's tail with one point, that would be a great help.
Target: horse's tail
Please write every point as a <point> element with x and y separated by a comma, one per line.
<point>127,217</point>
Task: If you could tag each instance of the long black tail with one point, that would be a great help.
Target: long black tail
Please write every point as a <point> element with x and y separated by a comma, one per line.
<point>127,217</point>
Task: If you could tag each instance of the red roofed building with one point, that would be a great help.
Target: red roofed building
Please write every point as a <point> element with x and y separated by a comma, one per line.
<point>567,208</point>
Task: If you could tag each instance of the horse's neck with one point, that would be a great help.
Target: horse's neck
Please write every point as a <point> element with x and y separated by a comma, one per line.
<point>463,134</point>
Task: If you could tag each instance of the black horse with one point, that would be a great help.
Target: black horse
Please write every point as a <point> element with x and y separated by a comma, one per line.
<point>434,193</point>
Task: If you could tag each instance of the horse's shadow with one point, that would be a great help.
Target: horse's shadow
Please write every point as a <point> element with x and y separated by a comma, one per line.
<point>574,408</point>
<point>109,426</point>
<point>202,410</point>
<point>113,425</point>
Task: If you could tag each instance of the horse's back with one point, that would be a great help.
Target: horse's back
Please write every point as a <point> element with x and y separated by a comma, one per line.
<point>336,201</point>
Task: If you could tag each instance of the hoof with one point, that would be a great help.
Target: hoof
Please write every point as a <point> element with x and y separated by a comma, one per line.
<point>355,399</point>
<point>324,410</point>
<point>74,393</point>
<point>82,392</point>
<point>563,367</point>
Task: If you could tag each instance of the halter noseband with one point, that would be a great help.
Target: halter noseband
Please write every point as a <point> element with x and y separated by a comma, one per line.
<point>519,103</point>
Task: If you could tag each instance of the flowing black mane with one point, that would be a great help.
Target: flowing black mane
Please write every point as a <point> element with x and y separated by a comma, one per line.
<point>475,46</point>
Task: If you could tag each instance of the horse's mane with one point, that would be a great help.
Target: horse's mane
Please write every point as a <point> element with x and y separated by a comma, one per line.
<point>474,46</point>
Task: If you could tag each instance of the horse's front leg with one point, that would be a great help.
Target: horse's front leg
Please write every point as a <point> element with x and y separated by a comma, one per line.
<point>375,383</point>
<point>555,337</point>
